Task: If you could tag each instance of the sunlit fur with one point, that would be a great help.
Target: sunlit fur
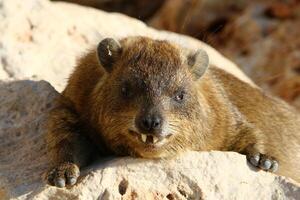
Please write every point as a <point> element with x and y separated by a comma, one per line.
<point>219,112</point>
<point>162,77</point>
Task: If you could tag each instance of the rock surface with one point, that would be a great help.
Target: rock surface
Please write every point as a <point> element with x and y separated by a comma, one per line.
<point>22,148</point>
<point>35,46</point>
<point>194,175</point>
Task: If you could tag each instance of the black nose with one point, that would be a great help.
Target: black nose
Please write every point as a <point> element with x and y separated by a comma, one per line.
<point>150,123</point>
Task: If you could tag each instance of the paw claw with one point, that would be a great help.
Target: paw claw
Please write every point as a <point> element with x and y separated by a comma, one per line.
<point>64,174</point>
<point>71,181</point>
<point>264,162</point>
<point>254,160</point>
<point>274,166</point>
<point>60,182</point>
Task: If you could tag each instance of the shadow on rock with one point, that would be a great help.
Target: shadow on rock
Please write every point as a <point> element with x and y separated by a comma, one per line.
<point>23,155</point>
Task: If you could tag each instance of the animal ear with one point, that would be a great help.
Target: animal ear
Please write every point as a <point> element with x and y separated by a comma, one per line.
<point>198,62</point>
<point>108,51</point>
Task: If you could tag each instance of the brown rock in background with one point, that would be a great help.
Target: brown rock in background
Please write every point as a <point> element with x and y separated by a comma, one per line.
<point>267,49</point>
<point>262,37</point>
<point>141,9</point>
<point>198,18</point>
<point>280,10</point>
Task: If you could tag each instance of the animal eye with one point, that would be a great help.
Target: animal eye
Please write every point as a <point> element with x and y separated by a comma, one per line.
<point>179,96</point>
<point>125,91</point>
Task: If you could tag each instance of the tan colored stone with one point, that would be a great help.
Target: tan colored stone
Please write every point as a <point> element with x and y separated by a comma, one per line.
<point>194,175</point>
<point>43,39</point>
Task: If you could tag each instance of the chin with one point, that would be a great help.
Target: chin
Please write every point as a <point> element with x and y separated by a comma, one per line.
<point>153,152</point>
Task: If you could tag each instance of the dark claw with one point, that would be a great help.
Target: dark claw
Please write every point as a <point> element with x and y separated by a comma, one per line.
<point>274,166</point>
<point>254,160</point>
<point>265,164</point>
<point>60,182</point>
<point>64,174</point>
<point>71,180</point>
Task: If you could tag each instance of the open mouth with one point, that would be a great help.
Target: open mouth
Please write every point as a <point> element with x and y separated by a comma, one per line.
<point>147,139</point>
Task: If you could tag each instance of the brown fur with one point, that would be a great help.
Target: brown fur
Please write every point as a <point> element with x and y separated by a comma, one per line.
<point>220,111</point>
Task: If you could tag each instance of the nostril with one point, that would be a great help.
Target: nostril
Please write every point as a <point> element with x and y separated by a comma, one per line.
<point>149,123</point>
<point>146,122</point>
<point>156,123</point>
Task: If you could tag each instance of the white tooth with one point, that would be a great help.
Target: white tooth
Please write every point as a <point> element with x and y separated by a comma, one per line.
<point>144,137</point>
<point>155,139</point>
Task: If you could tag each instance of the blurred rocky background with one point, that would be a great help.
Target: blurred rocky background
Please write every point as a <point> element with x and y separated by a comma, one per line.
<point>261,36</point>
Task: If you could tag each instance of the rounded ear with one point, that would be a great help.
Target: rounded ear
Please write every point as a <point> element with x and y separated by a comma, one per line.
<point>108,51</point>
<point>198,63</point>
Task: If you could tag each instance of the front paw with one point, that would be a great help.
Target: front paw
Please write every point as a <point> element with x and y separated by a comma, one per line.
<point>64,174</point>
<point>263,162</point>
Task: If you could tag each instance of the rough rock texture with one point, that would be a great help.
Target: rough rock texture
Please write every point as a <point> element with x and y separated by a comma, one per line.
<point>194,175</point>
<point>34,45</point>
<point>22,147</point>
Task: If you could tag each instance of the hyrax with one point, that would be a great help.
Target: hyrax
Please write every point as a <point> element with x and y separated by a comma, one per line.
<point>150,98</point>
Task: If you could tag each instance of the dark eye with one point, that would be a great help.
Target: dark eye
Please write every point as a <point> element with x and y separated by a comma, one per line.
<point>179,97</point>
<point>126,91</point>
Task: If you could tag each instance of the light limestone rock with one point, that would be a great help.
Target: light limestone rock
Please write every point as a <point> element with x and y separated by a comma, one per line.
<point>43,39</point>
<point>194,175</point>
<point>207,175</point>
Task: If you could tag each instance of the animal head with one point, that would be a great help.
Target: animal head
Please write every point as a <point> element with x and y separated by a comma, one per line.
<point>148,98</point>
